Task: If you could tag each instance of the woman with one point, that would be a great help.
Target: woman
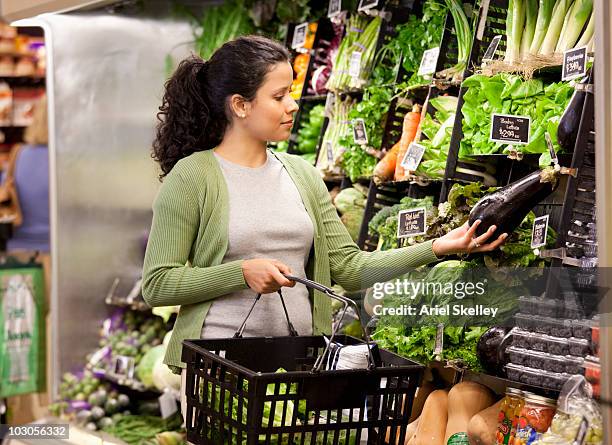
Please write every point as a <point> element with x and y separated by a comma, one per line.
<point>232,217</point>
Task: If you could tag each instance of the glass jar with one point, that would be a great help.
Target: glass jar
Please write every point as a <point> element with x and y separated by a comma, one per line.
<point>509,411</point>
<point>535,419</point>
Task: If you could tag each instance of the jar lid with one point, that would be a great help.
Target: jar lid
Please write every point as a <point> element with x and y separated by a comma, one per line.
<point>533,398</point>
<point>514,392</point>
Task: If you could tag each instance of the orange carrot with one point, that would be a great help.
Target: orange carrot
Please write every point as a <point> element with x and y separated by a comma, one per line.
<point>409,131</point>
<point>385,169</point>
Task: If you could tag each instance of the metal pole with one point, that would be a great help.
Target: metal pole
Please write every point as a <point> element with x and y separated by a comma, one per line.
<point>603,163</point>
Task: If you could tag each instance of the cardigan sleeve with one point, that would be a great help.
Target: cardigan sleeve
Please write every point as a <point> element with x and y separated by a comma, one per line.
<point>167,278</point>
<point>355,269</point>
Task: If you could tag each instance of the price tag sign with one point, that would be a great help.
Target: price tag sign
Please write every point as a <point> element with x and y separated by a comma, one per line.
<point>299,35</point>
<point>355,64</point>
<point>551,149</point>
<point>574,63</point>
<point>490,52</point>
<point>167,404</point>
<point>330,153</point>
<point>413,156</point>
<point>334,8</point>
<point>539,231</point>
<point>439,346</point>
<point>411,222</point>
<point>510,129</point>
<point>124,366</point>
<point>365,5</point>
<point>429,61</point>
<point>360,136</point>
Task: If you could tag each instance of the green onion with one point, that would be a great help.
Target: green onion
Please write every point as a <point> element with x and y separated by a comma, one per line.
<point>588,33</point>
<point>554,27</point>
<point>544,15</point>
<point>464,37</point>
<point>514,30</point>
<point>574,23</point>
<point>531,15</point>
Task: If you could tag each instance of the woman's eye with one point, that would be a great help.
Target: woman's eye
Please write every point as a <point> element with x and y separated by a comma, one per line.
<point>279,98</point>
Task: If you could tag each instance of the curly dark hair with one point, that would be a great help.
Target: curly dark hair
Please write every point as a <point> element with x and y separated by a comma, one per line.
<point>195,111</point>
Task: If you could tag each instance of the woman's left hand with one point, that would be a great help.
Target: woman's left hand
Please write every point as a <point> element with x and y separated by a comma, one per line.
<point>463,240</point>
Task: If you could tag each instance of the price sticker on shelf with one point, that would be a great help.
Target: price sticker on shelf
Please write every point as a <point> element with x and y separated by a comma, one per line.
<point>413,157</point>
<point>539,232</point>
<point>429,61</point>
<point>299,35</point>
<point>551,149</point>
<point>360,136</point>
<point>330,153</point>
<point>167,405</point>
<point>124,366</point>
<point>355,64</point>
<point>490,52</point>
<point>334,8</point>
<point>412,222</point>
<point>365,5</point>
<point>574,63</point>
<point>510,129</point>
<point>439,345</point>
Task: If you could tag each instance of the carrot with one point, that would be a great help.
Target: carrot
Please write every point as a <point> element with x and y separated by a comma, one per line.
<point>409,131</point>
<point>385,169</point>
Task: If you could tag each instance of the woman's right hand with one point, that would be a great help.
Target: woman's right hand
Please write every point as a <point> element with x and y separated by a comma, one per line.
<point>265,276</point>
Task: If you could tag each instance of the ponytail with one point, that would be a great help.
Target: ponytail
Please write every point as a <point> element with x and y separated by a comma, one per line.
<point>194,113</point>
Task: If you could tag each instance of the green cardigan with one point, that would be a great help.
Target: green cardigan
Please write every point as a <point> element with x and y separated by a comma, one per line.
<point>189,235</point>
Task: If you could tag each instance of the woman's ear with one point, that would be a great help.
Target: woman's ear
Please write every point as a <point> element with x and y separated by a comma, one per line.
<point>239,106</point>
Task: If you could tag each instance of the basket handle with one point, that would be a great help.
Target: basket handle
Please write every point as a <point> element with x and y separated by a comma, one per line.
<point>346,303</point>
<point>292,331</point>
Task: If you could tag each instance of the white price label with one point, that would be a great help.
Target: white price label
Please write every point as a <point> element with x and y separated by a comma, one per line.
<point>429,61</point>
<point>299,35</point>
<point>355,64</point>
<point>365,5</point>
<point>360,135</point>
<point>413,156</point>
<point>167,404</point>
<point>334,8</point>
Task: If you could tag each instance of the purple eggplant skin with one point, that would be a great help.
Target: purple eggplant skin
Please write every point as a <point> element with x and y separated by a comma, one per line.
<point>508,206</point>
<point>567,132</point>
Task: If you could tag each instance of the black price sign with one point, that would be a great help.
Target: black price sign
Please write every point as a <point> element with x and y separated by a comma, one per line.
<point>365,5</point>
<point>429,61</point>
<point>539,231</point>
<point>413,157</point>
<point>334,8</point>
<point>574,63</point>
<point>299,35</point>
<point>360,136</point>
<point>411,222</point>
<point>490,52</point>
<point>510,129</point>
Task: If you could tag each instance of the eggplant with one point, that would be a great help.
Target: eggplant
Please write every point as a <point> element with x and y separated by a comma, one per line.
<point>507,207</point>
<point>567,132</point>
<point>490,349</point>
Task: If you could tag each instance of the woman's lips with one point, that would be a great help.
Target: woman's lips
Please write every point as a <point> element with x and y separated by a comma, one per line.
<point>289,123</point>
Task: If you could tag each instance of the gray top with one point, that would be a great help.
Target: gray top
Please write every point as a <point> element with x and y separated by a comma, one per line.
<point>267,219</point>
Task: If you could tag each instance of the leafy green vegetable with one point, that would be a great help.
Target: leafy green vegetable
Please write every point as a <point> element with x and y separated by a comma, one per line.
<point>310,129</point>
<point>413,37</point>
<point>509,94</point>
<point>373,108</point>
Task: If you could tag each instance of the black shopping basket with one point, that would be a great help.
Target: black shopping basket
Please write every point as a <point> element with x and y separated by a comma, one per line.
<point>235,395</point>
